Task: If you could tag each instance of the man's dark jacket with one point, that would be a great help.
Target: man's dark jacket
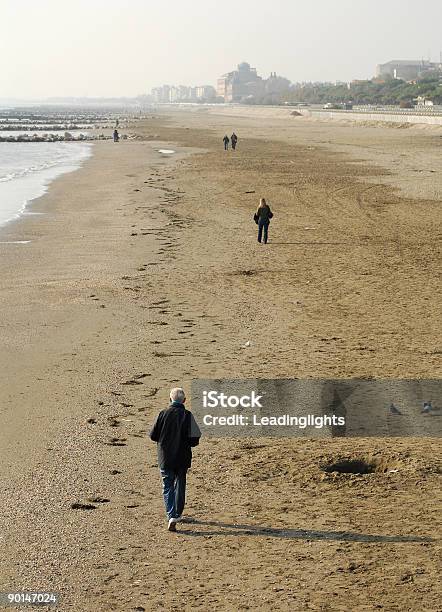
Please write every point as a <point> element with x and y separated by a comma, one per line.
<point>176,431</point>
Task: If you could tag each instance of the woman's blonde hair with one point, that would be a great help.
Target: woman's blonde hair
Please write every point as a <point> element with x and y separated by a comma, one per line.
<point>262,202</point>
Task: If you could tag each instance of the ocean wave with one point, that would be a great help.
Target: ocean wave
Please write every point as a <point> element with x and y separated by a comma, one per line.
<point>28,160</point>
<point>26,173</point>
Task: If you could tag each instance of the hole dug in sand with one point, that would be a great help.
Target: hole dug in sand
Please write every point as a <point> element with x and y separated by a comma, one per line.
<point>359,466</point>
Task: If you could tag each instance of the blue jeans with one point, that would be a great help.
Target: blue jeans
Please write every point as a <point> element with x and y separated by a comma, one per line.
<point>174,491</point>
<point>263,225</point>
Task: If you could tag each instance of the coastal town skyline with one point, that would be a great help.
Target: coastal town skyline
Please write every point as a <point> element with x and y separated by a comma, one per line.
<point>245,84</point>
<point>106,52</point>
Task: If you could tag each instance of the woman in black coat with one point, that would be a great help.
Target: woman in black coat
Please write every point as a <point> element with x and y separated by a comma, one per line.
<point>262,218</point>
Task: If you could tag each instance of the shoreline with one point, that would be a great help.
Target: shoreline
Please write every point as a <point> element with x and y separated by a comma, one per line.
<point>59,293</point>
<point>146,274</point>
<point>30,187</point>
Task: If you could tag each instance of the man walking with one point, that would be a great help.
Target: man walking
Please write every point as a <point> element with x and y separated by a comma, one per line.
<point>226,142</point>
<point>175,431</point>
<point>234,140</point>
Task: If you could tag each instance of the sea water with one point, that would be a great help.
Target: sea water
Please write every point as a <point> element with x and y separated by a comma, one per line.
<point>27,168</point>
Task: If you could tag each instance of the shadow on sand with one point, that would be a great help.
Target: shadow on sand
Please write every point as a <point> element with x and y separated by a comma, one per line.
<point>312,243</point>
<point>230,529</point>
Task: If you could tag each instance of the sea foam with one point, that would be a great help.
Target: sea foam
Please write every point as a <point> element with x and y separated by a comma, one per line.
<point>26,170</point>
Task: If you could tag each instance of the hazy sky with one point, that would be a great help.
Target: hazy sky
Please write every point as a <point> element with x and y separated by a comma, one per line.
<point>126,47</point>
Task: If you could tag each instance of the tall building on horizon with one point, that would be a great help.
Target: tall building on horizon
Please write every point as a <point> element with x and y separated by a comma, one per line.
<point>239,84</point>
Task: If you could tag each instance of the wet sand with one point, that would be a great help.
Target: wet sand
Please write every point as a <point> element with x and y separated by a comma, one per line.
<point>142,273</point>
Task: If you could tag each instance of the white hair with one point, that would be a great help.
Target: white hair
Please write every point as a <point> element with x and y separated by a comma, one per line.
<point>177,395</point>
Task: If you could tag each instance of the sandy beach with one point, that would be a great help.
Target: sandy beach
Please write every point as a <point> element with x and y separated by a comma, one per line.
<point>143,272</point>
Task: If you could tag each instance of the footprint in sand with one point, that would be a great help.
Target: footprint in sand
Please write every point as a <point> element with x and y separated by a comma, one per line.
<point>116,442</point>
<point>81,506</point>
<point>109,578</point>
<point>98,500</point>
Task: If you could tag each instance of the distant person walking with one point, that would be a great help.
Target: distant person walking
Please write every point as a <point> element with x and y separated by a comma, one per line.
<point>116,136</point>
<point>233,140</point>
<point>226,142</point>
<point>262,219</point>
<point>175,431</point>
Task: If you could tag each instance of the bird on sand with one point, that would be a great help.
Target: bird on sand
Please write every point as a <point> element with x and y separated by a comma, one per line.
<point>427,408</point>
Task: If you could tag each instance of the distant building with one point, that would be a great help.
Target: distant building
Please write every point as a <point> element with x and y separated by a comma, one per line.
<point>407,70</point>
<point>155,94</point>
<point>239,84</point>
<point>174,94</point>
<point>423,101</point>
<point>182,93</point>
<point>161,94</point>
<point>276,84</point>
<point>205,92</point>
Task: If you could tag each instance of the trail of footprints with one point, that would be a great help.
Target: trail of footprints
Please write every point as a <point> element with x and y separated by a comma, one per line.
<point>170,197</point>
<point>121,417</point>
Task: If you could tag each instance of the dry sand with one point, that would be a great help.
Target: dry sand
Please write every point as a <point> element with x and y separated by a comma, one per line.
<point>134,281</point>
